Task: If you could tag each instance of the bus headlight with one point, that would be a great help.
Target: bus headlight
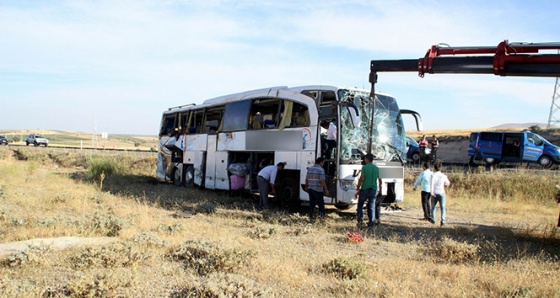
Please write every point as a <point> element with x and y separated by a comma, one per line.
<point>346,184</point>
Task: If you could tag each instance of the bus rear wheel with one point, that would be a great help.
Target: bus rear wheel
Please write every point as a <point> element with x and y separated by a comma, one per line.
<point>178,175</point>
<point>288,192</point>
<point>189,176</point>
<point>342,206</point>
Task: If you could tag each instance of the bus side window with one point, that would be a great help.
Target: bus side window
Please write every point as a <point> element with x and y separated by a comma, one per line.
<point>257,121</point>
<point>236,116</point>
<point>300,115</point>
<point>184,122</point>
<point>268,109</point>
<point>196,122</point>
<point>168,125</point>
<point>213,122</point>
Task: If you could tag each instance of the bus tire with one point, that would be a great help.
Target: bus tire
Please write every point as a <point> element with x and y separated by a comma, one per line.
<point>545,161</point>
<point>178,175</point>
<point>288,192</point>
<point>189,176</point>
<point>342,206</point>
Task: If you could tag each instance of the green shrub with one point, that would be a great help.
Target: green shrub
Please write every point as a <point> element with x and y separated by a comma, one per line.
<point>104,166</point>
<point>345,268</point>
<point>206,257</point>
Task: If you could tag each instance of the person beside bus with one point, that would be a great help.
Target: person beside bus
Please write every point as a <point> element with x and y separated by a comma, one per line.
<point>265,180</point>
<point>316,187</point>
<point>367,190</point>
<point>330,139</point>
<point>422,145</point>
<point>439,182</point>
<point>434,144</point>
<point>425,179</point>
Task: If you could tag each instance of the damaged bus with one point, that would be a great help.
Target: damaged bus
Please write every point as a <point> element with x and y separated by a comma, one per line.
<point>224,142</point>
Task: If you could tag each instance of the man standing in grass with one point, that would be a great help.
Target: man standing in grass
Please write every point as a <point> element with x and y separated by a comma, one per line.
<point>367,190</point>
<point>316,188</point>
<point>439,182</point>
<point>425,178</point>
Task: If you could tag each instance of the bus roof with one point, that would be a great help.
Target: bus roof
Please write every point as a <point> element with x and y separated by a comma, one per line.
<point>270,91</point>
<point>331,88</point>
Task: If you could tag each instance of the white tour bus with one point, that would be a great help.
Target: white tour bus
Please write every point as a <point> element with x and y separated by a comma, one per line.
<point>224,142</point>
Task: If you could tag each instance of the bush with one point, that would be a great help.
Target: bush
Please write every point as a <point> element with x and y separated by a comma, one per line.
<point>99,285</point>
<point>149,240</point>
<point>224,285</point>
<point>449,250</point>
<point>32,255</point>
<point>104,224</point>
<point>173,229</point>
<point>104,167</point>
<point>206,208</point>
<point>112,256</point>
<point>261,232</point>
<point>345,268</point>
<point>205,257</point>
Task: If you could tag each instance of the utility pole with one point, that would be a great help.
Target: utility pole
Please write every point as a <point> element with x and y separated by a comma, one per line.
<point>94,137</point>
<point>553,119</point>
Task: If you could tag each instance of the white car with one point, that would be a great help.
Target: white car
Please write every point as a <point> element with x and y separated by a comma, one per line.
<point>36,139</point>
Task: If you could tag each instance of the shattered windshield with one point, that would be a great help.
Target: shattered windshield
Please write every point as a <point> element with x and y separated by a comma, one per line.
<point>388,135</point>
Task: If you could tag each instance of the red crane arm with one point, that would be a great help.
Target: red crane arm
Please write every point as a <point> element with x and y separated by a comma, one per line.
<point>504,53</point>
<point>506,59</point>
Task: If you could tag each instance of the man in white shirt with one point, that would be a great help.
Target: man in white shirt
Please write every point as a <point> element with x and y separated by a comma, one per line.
<point>425,178</point>
<point>330,139</point>
<point>439,182</point>
<point>266,180</point>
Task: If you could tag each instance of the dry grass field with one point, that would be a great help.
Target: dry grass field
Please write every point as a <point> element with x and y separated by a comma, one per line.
<point>76,139</point>
<point>141,238</point>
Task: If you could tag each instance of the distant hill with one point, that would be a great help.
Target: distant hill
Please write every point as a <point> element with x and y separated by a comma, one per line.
<point>520,125</point>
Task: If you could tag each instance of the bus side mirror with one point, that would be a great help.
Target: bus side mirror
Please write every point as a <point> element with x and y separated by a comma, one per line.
<point>417,118</point>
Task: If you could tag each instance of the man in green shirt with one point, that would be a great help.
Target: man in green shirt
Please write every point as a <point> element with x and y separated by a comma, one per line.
<point>367,190</point>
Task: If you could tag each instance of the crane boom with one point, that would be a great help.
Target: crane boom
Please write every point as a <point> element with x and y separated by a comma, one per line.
<point>507,59</point>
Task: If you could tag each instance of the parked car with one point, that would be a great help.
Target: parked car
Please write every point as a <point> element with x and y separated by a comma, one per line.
<point>3,140</point>
<point>36,139</point>
<point>525,146</point>
<point>413,152</point>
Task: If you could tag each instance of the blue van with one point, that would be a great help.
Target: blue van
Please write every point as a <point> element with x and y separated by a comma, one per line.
<point>525,146</point>
<point>413,152</point>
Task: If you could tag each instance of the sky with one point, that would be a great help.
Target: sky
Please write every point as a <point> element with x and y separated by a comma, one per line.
<point>114,66</point>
